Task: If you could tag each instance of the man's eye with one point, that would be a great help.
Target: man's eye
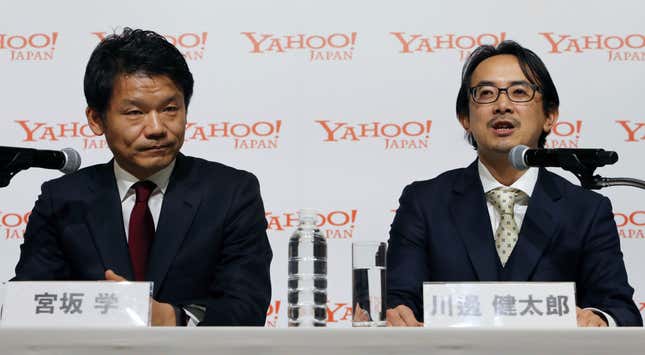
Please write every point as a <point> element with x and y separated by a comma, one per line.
<point>485,92</point>
<point>171,109</point>
<point>133,112</point>
<point>519,91</point>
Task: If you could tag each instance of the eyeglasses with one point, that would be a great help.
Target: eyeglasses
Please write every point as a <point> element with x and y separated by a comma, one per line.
<point>520,92</point>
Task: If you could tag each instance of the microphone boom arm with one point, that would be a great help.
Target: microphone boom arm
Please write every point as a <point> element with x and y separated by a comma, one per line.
<point>584,173</point>
<point>11,168</point>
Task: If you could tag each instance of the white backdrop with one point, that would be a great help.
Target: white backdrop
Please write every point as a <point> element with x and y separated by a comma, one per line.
<point>335,105</point>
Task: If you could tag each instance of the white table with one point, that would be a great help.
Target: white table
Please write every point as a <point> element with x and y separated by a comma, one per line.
<point>330,341</point>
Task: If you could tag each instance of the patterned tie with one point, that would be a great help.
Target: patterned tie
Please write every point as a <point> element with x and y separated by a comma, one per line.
<point>504,199</point>
<point>141,231</point>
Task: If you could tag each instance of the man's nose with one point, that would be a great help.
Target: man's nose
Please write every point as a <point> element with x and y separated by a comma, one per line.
<point>503,103</point>
<point>154,126</point>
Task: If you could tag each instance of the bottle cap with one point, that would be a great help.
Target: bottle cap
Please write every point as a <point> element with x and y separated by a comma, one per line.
<point>307,215</point>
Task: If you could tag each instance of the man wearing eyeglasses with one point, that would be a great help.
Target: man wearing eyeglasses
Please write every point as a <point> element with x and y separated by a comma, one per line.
<point>490,222</point>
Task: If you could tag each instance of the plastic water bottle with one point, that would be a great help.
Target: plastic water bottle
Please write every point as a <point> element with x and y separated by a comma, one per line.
<point>307,281</point>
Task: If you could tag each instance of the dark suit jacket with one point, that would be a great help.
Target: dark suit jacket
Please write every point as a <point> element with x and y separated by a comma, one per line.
<point>210,246</point>
<point>442,232</point>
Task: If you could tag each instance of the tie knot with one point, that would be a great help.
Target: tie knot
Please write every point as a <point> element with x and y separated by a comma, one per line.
<point>143,189</point>
<point>504,198</point>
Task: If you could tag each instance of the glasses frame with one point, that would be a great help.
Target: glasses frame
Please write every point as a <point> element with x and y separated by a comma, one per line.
<point>499,92</point>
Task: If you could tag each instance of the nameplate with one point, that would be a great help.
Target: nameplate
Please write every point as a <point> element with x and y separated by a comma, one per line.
<point>499,304</point>
<point>74,304</point>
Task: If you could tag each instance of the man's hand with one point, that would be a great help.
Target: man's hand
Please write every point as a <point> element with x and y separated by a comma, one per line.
<point>587,318</point>
<point>360,315</point>
<point>402,316</point>
<point>163,314</point>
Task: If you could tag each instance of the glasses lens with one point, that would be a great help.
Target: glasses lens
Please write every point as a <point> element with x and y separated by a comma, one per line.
<point>485,94</point>
<point>520,92</point>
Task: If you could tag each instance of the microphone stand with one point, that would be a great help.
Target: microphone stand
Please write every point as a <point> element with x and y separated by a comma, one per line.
<point>595,182</point>
<point>11,168</point>
<point>5,177</point>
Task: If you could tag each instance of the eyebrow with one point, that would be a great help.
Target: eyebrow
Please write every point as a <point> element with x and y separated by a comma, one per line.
<point>515,82</point>
<point>164,102</point>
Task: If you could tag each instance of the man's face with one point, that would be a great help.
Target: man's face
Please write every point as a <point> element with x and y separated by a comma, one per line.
<point>144,123</point>
<point>499,126</point>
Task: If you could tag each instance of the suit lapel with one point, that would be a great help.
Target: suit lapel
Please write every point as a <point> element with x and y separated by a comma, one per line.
<point>179,206</point>
<point>471,218</point>
<point>538,228</point>
<point>105,222</point>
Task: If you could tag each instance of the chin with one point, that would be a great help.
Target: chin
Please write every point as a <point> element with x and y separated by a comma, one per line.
<point>156,163</point>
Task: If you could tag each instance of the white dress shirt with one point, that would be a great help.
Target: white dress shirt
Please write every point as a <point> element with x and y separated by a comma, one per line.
<point>526,183</point>
<point>124,182</point>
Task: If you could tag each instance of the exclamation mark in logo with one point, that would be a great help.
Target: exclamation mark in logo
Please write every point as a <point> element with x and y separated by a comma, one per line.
<point>353,40</point>
<point>278,125</point>
<point>54,38</point>
<point>204,38</point>
<point>428,126</point>
<point>578,128</point>
<point>354,213</point>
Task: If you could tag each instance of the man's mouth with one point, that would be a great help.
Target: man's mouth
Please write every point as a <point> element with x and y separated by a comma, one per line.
<point>156,148</point>
<point>503,127</point>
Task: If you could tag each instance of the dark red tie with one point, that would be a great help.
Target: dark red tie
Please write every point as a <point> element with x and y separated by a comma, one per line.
<point>141,231</point>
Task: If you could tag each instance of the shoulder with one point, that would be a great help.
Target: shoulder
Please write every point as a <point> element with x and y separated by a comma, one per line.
<point>76,181</point>
<point>570,191</point>
<point>212,168</point>
<point>440,183</point>
<point>578,203</point>
<point>211,174</point>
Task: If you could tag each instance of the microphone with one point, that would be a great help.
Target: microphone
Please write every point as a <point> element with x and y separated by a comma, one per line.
<point>521,157</point>
<point>66,160</point>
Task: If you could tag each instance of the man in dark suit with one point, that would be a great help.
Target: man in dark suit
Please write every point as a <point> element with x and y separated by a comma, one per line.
<point>193,227</point>
<point>490,222</point>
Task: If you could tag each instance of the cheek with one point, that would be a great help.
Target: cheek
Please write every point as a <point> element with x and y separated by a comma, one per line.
<point>177,128</point>
<point>125,135</point>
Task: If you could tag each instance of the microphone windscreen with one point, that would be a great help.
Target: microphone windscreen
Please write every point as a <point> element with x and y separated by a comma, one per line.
<point>516,157</point>
<point>72,160</point>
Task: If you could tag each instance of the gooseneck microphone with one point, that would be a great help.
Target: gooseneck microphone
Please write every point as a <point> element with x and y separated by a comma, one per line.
<point>522,157</point>
<point>66,160</point>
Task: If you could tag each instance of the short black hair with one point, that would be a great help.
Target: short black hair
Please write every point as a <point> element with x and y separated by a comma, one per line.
<point>133,51</point>
<point>532,67</point>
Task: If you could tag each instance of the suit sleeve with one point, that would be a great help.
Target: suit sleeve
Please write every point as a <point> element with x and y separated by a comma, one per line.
<point>241,290</point>
<point>604,278</point>
<point>41,257</point>
<point>407,264</point>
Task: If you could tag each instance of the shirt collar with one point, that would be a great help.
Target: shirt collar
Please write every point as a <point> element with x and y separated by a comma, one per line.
<point>125,180</point>
<point>526,182</point>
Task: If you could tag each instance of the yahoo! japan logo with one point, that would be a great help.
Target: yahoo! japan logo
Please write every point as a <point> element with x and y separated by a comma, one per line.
<point>34,47</point>
<point>259,135</point>
<point>395,136</point>
<point>35,131</point>
<point>564,134</point>
<point>635,130</point>
<point>336,47</point>
<point>619,48</point>
<point>13,225</point>
<point>462,44</point>
<point>336,224</point>
<point>631,225</point>
<point>192,45</point>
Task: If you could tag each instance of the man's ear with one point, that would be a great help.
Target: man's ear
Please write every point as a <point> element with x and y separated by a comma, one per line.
<point>465,122</point>
<point>550,121</point>
<point>95,121</point>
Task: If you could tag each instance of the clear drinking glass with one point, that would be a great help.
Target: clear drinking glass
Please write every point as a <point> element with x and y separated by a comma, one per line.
<point>369,284</point>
